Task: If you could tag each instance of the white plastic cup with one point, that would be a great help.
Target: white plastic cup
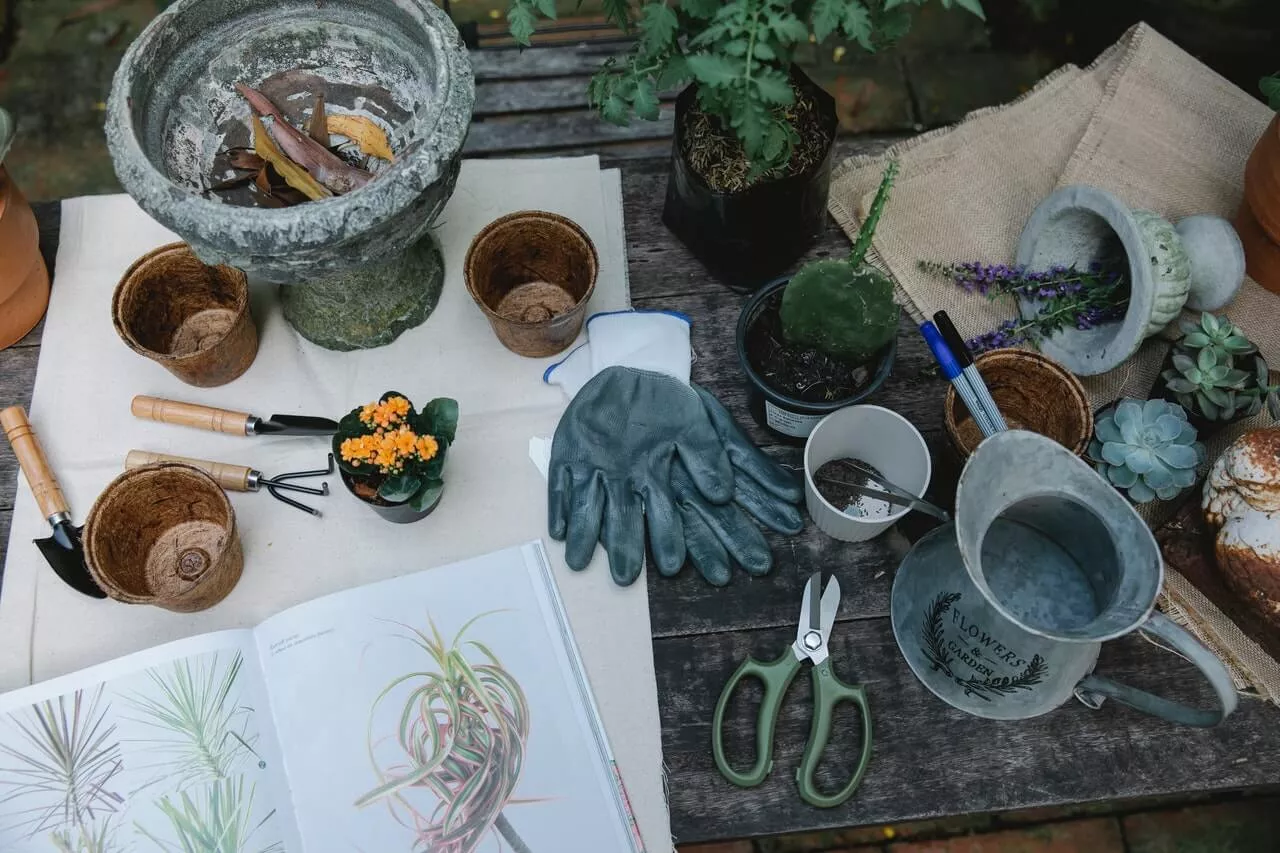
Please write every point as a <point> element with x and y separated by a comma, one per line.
<point>879,437</point>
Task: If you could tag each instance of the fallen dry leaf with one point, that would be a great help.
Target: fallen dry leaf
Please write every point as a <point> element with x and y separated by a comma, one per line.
<point>318,129</point>
<point>363,132</point>
<point>295,176</point>
<point>303,151</point>
<point>231,183</point>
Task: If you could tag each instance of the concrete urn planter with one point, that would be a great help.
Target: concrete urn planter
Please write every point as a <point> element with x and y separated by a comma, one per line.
<point>358,269</point>
<point>1198,264</point>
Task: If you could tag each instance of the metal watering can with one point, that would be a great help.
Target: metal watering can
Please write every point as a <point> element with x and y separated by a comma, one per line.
<point>1002,613</point>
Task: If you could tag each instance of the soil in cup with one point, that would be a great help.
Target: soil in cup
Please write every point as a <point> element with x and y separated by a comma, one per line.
<point>806,374</point>
<point>832,480</point>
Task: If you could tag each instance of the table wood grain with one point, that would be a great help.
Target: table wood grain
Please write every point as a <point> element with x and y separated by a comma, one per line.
<point>929,760</point>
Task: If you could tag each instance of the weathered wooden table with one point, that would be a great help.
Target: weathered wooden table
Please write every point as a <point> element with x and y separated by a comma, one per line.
<point>929,759</point>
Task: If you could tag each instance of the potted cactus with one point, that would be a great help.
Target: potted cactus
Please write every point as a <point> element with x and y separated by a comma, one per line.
<point>391,456</point>
<point>1147,450</point>
<point>822,339</point>
<point>751,159</point>
<point>1218,375</point>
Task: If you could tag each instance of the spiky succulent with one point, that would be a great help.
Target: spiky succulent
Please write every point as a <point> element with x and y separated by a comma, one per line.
<point>1217,334</point>
<point>1218,373</point>
<point>1209,384</point>
<point>1147,450</point>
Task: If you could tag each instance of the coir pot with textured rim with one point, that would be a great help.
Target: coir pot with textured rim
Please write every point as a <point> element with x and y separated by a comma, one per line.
<point>782,414</point>
<point>164,534</point>
<point>746,238</point>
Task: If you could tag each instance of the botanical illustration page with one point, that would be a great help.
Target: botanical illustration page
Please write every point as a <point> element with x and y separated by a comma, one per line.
<point>171,750</point>
<point>440,713</point>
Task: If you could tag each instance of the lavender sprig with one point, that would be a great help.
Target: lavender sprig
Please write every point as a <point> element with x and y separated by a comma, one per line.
<point>1065,297</point>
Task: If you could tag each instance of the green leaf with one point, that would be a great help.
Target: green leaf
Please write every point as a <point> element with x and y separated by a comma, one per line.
<point>893,25</point>
<point>645,100</point>
<point>520,22</point>
<point>658,26</point>
<point>547,8</point>
<point>857,24</point>
<point>427,494</point>
<point>974,6</point>
<point>674,73</point>
<point>889,5</point>
<point>399,488</point>
<point>763,51</point>
<point>1211,323</point>
<point>712,70</point>
<point>826,17</point>
<point>1206,360</point>
<point>700,9</point>
<point>774,88</point>
<point>618,13</point>
<point>737,47</point>
<point>1270,87</point>
<point>442,415</point>
<point>789,29</point>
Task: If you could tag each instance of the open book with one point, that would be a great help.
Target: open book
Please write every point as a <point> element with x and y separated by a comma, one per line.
<point>442,712</point>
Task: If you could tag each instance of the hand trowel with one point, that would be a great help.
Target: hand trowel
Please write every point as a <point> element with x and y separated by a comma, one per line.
<point>62,549</point>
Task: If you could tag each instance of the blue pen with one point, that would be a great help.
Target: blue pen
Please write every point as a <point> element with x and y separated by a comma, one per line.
<point>955,375</point>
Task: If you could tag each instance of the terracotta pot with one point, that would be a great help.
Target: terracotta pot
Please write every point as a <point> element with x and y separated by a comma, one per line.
<point>24,280</point>
<point>1258,220</point>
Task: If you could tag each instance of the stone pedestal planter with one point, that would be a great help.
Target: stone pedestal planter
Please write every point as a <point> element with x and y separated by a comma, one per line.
<point>1200,262</point>
<point>173,107</point>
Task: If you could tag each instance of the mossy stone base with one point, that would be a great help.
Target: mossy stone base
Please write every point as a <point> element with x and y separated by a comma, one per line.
<point>370,306</point>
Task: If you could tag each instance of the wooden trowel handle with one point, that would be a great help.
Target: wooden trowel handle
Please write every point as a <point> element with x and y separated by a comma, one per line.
<point>191,415</point>
<point>232,477</point>
<point>32,459</point>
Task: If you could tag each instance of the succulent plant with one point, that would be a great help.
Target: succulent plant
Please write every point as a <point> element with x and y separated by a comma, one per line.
<point>1209,384</point>
<point>844,308</point>
<point>1147,450</point>
<point>1217,334</point>
<point>1209,377</point>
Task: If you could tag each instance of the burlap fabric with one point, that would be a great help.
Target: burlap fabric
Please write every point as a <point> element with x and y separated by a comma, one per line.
<point>1146,121</point>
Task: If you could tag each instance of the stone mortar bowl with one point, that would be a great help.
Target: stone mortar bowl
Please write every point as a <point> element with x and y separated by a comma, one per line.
<point>173,109</point>
<point>1198,264</point>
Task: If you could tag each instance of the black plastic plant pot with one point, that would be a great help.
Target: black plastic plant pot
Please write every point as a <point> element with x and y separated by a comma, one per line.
<point>400,513</point>
<point>785,415</point>
<point>747,238</point>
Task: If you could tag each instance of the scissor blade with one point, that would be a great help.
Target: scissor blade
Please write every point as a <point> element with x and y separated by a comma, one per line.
<point>830,607</point>
<point>810,614</point>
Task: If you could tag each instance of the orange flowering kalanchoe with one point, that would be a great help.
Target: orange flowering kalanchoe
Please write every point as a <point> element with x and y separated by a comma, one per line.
<point>392,443</point>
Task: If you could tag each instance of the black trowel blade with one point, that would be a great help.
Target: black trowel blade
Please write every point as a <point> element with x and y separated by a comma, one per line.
<point>68,562</point>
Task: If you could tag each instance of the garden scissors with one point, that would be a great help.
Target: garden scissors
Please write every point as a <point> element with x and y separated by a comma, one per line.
<point>816,618</point>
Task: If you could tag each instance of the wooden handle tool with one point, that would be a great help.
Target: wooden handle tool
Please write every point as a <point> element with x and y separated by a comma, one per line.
<point>235,478</point>
<point>191,415</point>
<point>35,466</point>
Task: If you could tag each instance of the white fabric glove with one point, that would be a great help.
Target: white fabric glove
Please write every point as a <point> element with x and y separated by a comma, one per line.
<point>657,341</point>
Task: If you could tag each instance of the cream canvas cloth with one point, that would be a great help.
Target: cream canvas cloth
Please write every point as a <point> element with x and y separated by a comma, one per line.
<point>1145,121</point>
<point>494,497</point>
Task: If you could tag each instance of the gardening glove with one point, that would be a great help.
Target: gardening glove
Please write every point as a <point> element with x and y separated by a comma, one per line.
<point>717,533</point>
<point>610,470</point>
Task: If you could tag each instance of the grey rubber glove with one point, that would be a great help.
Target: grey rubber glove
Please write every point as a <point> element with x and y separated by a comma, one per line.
<point>719,535</point>
<point>611,463</point>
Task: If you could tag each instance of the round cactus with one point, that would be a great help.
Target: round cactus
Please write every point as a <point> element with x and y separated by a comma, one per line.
<point>844,311</point>
<point>1147,450</point>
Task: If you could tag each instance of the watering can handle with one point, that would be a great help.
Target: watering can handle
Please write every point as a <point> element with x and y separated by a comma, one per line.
<point>1093,688</point>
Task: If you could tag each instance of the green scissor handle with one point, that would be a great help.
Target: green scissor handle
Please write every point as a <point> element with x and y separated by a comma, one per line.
<point>829,691</point>
<point>776,677</point>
